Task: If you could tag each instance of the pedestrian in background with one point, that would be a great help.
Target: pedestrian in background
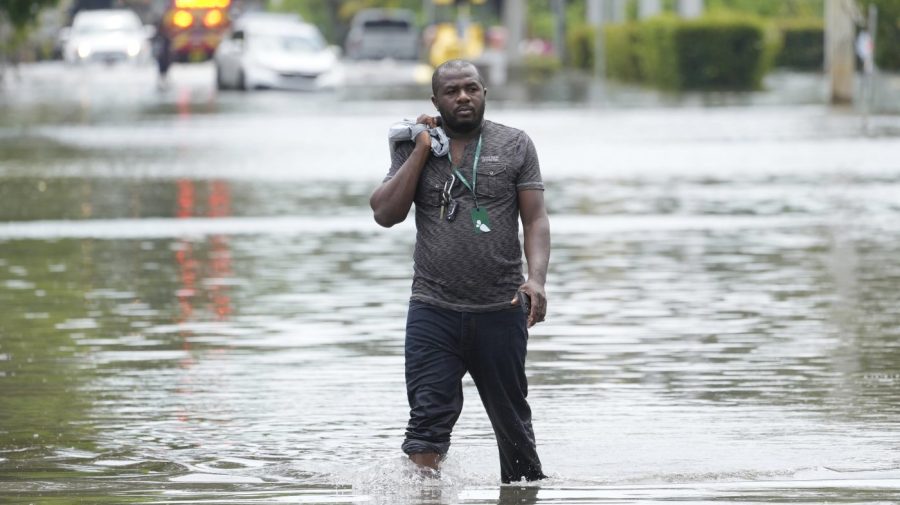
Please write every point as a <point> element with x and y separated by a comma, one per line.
<point>162,50</point>
<point>471,307</point>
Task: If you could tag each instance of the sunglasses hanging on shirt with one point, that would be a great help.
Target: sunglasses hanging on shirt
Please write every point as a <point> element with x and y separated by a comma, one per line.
<point>447,201</point>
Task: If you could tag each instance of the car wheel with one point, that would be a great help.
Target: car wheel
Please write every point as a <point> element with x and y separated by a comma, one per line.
<point>220,82</point>
<point>242,80</point>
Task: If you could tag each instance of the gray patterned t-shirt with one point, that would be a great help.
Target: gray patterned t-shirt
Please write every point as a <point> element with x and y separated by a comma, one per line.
<point>455,267</point>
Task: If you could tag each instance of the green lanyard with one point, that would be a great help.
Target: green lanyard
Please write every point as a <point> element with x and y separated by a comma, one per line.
<point>474,173</point>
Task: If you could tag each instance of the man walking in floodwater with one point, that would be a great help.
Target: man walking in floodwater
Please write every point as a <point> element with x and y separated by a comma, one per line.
<point>471,307</point>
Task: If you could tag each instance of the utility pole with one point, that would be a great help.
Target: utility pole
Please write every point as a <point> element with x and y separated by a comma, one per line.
<point>865,49</point>
<point>600,13</point>
<point>3,37</point>
<point>839,54</point>
<point>514,12</point>
<point>559,32</point>
<point>596,17</point>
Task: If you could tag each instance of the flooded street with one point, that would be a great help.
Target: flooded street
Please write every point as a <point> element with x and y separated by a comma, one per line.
<point>197,307</point>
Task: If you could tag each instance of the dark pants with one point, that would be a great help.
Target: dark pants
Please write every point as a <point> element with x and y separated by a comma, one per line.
<point>441,346</point>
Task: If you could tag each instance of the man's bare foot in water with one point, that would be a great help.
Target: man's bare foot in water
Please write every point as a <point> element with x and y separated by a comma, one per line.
<point>428,463</point>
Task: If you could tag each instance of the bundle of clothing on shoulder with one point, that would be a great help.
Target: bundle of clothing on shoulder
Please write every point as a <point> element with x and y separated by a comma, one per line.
<point>409,130</point>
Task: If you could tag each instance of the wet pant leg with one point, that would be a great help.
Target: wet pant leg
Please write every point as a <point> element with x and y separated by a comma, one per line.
<point>434,371</point>
<point>495,346</point>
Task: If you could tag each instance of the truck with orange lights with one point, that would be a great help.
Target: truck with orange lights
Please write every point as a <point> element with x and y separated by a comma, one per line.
<point>195,27</point>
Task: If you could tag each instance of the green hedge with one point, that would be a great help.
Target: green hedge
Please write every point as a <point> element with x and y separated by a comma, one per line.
<point>714,53</point>
<point>656,52</point>
<point>620,42</point>
<point>804,45</point>
<point>722,54</point>
<point>580,46</point>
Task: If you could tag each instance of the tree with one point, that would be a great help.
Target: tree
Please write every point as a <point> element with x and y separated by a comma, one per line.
<point>21,13</point>
<point>772,8</point>
<point>18,14</point>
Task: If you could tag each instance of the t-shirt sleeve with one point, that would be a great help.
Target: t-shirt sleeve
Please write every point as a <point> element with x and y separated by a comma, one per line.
<point>530,171</point>
<point>399,153</point>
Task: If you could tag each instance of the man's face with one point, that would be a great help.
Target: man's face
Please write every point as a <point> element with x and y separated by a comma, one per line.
<point>460,99</point>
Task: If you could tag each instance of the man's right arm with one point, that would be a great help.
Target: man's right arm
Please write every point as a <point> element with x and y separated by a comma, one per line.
<point>392,200</point>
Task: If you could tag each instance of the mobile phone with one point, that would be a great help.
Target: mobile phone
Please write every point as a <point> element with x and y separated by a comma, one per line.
<point>525,302</point>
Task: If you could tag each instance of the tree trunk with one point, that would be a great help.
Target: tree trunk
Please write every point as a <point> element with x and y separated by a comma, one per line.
<point>839,55</point>
<point>514,13</point>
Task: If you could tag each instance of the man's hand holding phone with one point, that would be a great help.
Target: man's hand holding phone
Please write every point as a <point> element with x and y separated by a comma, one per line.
<point>532,298</point>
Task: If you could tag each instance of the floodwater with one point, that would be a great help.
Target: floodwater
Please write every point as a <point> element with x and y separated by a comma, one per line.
<point>196,307</point>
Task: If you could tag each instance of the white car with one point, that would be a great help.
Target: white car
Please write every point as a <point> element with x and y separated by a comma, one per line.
<point>383,33</point>
<point>277,54</point>
<point>108,36</point>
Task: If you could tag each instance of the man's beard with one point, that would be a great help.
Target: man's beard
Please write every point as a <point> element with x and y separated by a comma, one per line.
<point>463,126</point>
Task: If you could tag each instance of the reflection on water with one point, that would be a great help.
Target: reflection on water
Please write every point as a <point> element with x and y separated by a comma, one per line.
<point>269,364</point>
<point>716,333</point>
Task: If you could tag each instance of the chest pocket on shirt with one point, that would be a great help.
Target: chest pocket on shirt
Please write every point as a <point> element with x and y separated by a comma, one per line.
<point>429,190</point>
<point>493,180</point>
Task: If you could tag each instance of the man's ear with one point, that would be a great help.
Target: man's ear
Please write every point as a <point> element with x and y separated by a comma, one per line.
<point>484,91</point>
<point>434,101</point>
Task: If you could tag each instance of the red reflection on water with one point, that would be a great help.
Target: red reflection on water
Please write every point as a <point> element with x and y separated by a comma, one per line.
<point>204,269</point>
<point>183,102</point>
<point>197,269</point>
<point>220,254</point>
<point>186,198</point>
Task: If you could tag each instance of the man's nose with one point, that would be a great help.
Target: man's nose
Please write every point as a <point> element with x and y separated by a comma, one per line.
<point>463,97</point>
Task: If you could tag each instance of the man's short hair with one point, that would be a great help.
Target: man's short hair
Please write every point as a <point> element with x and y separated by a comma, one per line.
<point>452,65</point>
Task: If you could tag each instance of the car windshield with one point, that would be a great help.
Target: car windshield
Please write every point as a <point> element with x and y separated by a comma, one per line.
<point>287,43</point>
<point>107,25</point>
<point>387,26</point>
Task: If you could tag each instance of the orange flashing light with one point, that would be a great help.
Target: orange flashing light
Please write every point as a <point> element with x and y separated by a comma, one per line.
<point>202,4</point>
<point>182,19</point>
<point>213,18</point>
